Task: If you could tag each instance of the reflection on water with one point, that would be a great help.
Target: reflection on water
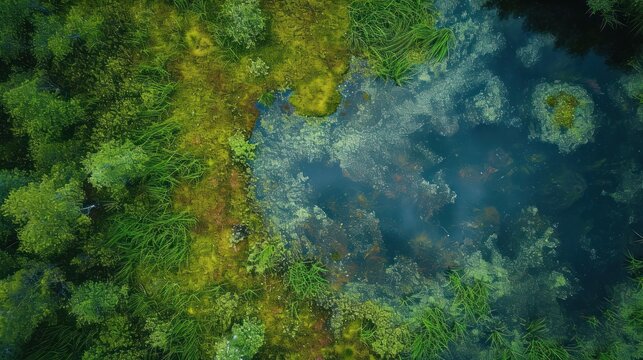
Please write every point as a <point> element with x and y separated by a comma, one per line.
<point>454,170</point>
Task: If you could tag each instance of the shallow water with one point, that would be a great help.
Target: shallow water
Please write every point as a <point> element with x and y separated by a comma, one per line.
<point>430,171</point>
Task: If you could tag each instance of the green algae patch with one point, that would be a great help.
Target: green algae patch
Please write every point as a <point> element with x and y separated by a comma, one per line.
<point>564,115</point>
<point>564,105</point>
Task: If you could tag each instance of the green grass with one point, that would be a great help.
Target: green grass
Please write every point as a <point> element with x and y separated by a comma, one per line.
<point>472,298</point>
<point>396,35</point>
<point>159,240</point>
<point>433,334</point>
<point>307,279</point>
<point>539,347</point>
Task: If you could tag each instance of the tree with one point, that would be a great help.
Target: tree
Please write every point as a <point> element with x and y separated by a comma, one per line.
<point>93,302</point>
<point>247,338</point>
<point>115,165</point>
<point>244,22</point>
<point>27,298</point>
<point>49,215</point>
<point>55,38</point>
<point>14,15</point>
<point>9,180</point>
<point>40,114</point>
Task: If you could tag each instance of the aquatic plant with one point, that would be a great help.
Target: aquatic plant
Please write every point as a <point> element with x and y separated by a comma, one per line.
<point>396,35</point>
<point>433,333</point>
<point>242,150</point>
<point>565,115</point>
<point>538,346</point>
<point>471,298</point>
<point>306,279</point>
<point>244,342</point>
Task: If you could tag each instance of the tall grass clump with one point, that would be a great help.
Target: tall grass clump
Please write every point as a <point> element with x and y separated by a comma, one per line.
<point>433,333</point>
<point>307,279</point>
<point>149,230</point>
<point>396,35</point>
<point>472,298</point>
<point>540,347</point>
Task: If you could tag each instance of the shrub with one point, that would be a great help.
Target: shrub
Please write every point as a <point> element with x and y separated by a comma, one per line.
<point>27,298</point>
<point>49,215</point>
<point>115,165</point>
<point>244,22</point>
<point>247,338</point>
<point>92,302</point>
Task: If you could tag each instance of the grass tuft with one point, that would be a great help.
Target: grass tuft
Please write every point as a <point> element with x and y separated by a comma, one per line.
<point>396,35</point>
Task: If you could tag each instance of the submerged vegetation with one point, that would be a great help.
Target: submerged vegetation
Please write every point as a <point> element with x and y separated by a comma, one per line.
<point>130,226</point>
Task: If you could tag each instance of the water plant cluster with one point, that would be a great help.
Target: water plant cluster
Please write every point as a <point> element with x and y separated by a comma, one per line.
<point>155,199</point>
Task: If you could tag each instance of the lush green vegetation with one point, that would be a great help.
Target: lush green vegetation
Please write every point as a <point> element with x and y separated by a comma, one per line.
<point>128,228</point>
<point>396,35</point>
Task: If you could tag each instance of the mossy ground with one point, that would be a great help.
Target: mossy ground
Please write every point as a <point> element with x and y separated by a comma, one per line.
<point>215,98</point>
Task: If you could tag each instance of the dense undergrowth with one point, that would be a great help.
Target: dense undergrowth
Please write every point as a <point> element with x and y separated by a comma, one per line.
<point>128,225</point>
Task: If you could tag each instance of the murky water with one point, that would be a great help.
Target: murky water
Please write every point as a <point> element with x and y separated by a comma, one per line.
<point>450,166</point>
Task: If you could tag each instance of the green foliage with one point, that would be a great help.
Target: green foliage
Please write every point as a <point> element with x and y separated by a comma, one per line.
<point>150,231</point>
<point>14,15</point>
<point>41,115</point>
<point>619,12</point>
<point>26,299</point>
<point>93,302</point>
<point>242,150</point>
<point>472,299</point>
<point>245,341</point>
<point>55,39</point>
<point>178,319</point>
<point>116,340</point>
<point>264,256</point>
<point>49,215</point>
<point>159,240</point>
<point>115,165</point>
<point>243,22</point>
<point>432,334</point>
<point>396,35</point>
<point>307,279</point>
<point>9,180</point>
<point>539,347</point>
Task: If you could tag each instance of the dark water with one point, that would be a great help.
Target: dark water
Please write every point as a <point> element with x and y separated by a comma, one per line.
<point>495,168</point>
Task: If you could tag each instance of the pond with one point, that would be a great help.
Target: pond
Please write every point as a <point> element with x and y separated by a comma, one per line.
<point>475,164</point>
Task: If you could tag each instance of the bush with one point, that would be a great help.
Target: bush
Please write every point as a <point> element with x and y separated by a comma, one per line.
<point>244,343</point>
<point>115,165</point>
<point>244,22</point>
<point>49,215</point>
<point>27,298</point>
<point>92,302</point>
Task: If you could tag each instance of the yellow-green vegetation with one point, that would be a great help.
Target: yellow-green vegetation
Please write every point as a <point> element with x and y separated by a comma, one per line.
<point>564,106</point>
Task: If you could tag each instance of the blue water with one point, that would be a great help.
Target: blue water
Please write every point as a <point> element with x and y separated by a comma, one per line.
<point>428,172</point>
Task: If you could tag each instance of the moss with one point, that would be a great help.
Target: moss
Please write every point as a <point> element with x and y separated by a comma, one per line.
<point>198,42</point>
<point>564,105</point>
<point>319,97</point>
